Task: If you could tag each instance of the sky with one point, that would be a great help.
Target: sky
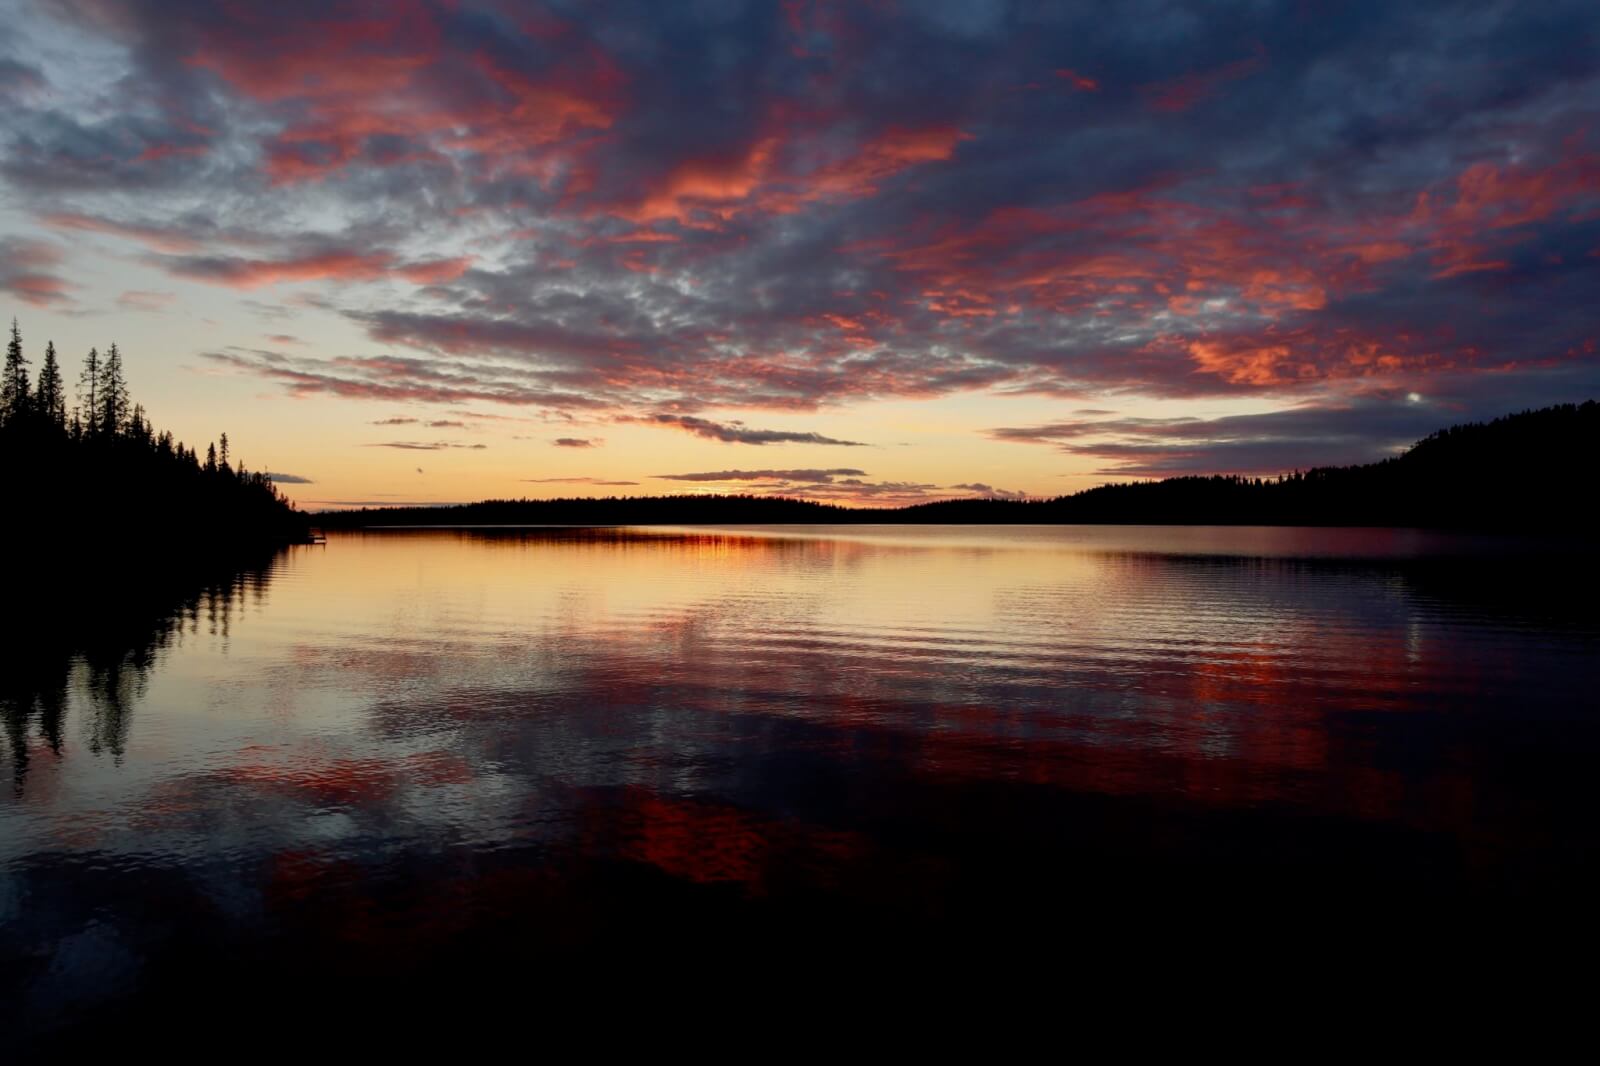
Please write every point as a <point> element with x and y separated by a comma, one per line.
<point>421,251</point>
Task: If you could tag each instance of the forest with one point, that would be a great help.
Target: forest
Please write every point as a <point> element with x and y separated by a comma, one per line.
<point>92,483</point>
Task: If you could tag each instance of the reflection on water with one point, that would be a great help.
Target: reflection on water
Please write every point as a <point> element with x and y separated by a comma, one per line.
<point>100,635</point>
<point>391,760</point>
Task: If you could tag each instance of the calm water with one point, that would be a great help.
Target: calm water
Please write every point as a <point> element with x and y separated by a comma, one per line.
<point>409,759</point>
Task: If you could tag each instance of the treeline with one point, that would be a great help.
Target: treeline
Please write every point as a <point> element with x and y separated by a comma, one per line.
<point>1523,471</point>
<point>86,481</point>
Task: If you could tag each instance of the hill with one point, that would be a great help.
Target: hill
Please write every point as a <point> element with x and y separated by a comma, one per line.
<point>1522,471</point>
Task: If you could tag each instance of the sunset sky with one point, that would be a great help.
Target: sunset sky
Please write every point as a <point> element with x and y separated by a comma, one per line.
<point>868,252</point>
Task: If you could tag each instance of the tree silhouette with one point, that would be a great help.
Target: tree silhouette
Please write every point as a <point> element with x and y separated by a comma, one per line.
<point>89,393</point>
<point>50,397</point>
<point>113,393</point>
<point>14,381</point>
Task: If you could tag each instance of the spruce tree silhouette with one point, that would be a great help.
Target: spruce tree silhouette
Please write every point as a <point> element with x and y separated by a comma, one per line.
<point>113,393</point>
<point>14,381</point>
<point>89,395</point>
<point>50,397</point>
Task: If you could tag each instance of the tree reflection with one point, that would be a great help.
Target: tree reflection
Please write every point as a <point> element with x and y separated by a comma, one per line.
<point>92,645</point>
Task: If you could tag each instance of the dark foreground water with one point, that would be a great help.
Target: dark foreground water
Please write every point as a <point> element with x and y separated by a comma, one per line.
<point>416,769</point>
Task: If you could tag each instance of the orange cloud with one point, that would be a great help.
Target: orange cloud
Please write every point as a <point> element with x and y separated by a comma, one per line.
<point>361,81</point>
<point>1182,93</point>
<point>240,273</point>
<point>436,271</point>
<point>768,175</point>
<point>1081,82</point>
<point>155,237</point>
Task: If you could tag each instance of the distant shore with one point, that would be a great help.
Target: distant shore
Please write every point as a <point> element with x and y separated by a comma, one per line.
<point>1523,472</point>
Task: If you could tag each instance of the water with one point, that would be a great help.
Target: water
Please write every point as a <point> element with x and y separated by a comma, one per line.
<point>409,759</point>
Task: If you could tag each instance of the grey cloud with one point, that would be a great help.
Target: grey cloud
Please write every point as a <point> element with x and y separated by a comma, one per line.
<point>575,481</point>
<point>1363,429</point>
<point>989,490</point>
<point>738,433</point>
<point>813,476</point>
<point>427,446</point>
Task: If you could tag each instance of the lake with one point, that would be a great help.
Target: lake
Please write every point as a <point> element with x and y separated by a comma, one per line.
<point>406,760</point>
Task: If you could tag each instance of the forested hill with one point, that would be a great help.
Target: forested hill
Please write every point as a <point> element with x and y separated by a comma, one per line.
<point>92,485</point>
<point>1525,471</point>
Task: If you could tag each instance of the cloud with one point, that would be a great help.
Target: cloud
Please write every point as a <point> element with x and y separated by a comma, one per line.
<point>435,271</point>
<point>575,442</point>
<point>27,272</point>
<point>430,423</point>
<point>18,80</point>
<point>575,481</point>
<point>841,485</point>
<point>426,446</point>
<point>739,433</point>
<point>245,273</point>
<point>1188,90</point>
<point>397,378</point>
<point>796,209</point>
<point>989,490</point>
<point>168,238</point>
<point>1079,82</point>
<point>814,476</point>
<point>291,479</point>
<point>140,300</point>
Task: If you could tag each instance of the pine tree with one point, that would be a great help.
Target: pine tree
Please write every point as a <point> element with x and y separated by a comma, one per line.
<point>138,427</point>
<point>14,381</point>
<point>89,392</point>
<point>211,458</point>
<point>113,393</point>
<point>51,398</point>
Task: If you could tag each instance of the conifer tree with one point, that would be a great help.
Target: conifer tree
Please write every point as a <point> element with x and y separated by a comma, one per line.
<point>89,392</point>
<point>14,381</point>
<point>113,393</point>
<point>51,398</point>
